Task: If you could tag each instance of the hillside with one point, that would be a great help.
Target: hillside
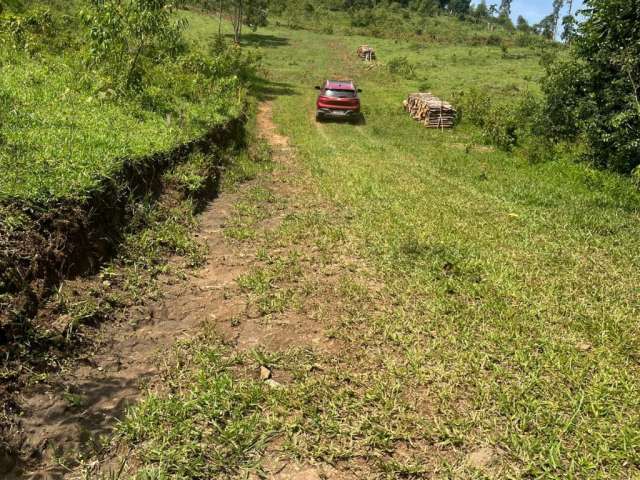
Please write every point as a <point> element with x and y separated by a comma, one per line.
<point>71,128</point>
<point>377,300</point>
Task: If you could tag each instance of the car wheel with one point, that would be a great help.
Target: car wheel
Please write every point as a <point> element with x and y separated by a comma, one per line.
<point>319,117</point>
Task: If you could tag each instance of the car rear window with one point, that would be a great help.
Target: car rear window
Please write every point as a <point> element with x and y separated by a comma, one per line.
<point>340,93</point>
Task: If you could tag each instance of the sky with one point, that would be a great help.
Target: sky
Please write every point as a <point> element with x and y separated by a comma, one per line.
<point>533,10</point>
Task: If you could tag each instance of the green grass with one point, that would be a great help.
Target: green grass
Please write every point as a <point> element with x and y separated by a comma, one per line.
<point>526,274</point>
<point>505,307</point>
<point>64,130</point>
<point>391,21</point>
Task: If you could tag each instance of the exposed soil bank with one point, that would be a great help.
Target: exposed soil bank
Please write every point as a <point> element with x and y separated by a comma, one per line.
<point>59,242</point>
<point>70,238</point>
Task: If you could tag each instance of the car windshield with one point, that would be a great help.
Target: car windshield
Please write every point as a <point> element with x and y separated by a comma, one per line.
<point>340,93</point>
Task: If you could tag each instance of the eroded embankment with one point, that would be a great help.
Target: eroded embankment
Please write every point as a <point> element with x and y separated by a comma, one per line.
<point>63,239</point>
<point>42,246</point>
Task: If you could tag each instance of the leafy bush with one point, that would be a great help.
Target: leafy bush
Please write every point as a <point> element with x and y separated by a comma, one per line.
<point>402,66</point>
<point>595,94</point>
<point>635,175</point>
<point>494,40</point>
<point>222,60</point>
<point>127,36</point>
<point>362,18</point>
<point>31,31</point>
<point>505,124</point>
<point>327,30</point>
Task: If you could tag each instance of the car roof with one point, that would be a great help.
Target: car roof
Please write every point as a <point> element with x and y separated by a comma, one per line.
<point>340,85</point>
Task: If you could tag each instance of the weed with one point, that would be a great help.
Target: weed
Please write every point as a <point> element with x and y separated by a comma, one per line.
<point>401,66</point>
<point>215,427</point>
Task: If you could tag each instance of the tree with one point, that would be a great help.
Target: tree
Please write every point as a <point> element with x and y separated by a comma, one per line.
<point>546,27</point>
<point>505,8</point>
<point>522,25</point>
<point>252,13</point>
<point>557,8</point>
<point>127,34</point>
<point>481,11</point>
<point>569,28</point>
<point>595,94</point>
<point>459,7</point>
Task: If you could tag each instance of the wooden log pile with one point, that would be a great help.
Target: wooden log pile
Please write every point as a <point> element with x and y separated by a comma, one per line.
<point>430,110</point>
<point>365,52</point>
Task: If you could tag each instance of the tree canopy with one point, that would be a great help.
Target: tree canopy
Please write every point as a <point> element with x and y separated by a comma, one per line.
<point>596,93</point>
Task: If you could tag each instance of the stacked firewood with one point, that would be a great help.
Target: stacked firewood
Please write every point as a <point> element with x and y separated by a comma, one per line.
<point>430,110</point>
<point>365,52</point>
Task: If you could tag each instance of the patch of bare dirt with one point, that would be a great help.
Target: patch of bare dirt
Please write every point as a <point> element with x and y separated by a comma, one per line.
<point>64,416</point>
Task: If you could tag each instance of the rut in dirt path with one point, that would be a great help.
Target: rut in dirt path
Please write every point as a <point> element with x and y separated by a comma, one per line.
<point>112,378</point>
<point>213,294</point>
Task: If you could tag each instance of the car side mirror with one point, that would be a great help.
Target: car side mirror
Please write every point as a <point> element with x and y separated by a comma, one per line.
<point>318,88</point>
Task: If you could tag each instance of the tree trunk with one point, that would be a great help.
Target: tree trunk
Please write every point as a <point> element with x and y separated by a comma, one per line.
<point>238,20</point>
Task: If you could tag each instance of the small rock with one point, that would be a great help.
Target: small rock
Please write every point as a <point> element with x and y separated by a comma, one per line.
<point>481,458</point>
<point>265,373</point>
<point>273,384</point>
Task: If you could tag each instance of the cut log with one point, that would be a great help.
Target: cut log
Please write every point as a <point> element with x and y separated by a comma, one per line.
<point>430,110</point>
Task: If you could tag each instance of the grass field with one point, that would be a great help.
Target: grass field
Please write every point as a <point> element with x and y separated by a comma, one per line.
<point>64,128</point>
<point>505,310</point>
<point>535,325</point>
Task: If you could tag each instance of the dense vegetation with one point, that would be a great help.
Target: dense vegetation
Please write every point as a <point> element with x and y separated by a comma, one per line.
<point>594,95</point>
<point>107,81</point>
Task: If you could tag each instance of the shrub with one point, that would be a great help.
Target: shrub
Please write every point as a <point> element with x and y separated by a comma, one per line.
<point>402,66</point>
<point>494,40</point>
<point>362,18</point>
<point>30,31</point>
<point>504,124</point>
<point>327,30</point>
<point>222,60</point>
<point>595,93</point>
<point>528,40</point>
<point>129,35</point>
<point>635,176</point>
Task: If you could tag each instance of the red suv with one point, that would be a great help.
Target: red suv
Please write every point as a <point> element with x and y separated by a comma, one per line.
<point>338,99</point>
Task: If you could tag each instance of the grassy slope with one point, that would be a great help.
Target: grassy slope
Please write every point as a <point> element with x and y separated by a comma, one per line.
<point>389,22</point>
<point>514,286</point>
<point>544,257</point>
<point>62,133</point>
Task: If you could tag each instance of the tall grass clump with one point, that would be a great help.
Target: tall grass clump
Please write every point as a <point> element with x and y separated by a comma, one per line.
<point>401,66</point>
